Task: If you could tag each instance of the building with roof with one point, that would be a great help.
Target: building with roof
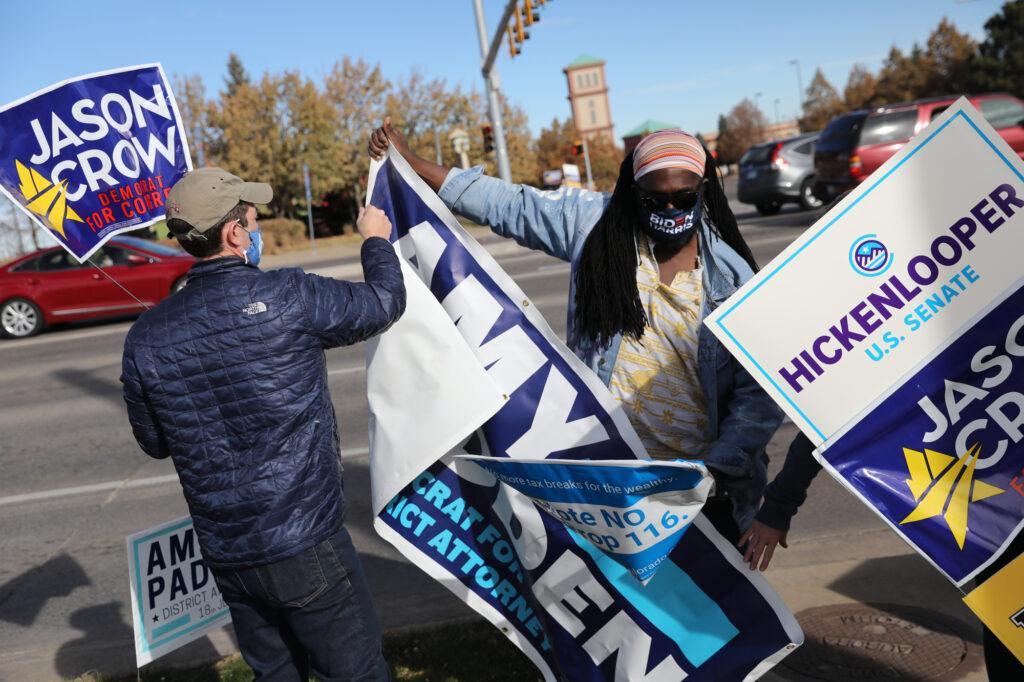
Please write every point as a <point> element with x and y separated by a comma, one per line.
<point>633,137</point>
<point>588,96</point>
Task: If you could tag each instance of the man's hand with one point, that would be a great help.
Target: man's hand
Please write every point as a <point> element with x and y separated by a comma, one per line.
<point>373,222</point>
<point>761,539</point>
<point>382,136</point>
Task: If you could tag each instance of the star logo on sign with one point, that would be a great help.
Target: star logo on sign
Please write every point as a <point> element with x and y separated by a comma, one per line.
<point>944,486</point>
<point>156,618</point>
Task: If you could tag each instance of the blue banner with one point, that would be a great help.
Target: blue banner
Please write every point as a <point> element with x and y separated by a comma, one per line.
<point>94,156</point>
<point>633,511</point>
<point>576,612</point>
<point>941,457</point>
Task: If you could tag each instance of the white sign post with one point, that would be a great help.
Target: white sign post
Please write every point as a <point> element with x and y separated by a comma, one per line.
<point>174,597</point>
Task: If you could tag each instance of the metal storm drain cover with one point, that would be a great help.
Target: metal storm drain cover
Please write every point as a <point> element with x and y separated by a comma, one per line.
<point>882,642</point>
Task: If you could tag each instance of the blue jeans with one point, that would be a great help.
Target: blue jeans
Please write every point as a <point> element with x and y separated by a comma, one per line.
<point>309,613</point>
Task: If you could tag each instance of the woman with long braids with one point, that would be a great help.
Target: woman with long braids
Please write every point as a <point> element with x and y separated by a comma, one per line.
<point>649,262</point>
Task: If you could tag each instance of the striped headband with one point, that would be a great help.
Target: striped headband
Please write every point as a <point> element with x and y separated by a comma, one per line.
<point>668,149</point>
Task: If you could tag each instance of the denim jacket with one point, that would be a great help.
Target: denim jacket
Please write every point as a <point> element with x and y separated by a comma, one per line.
<point>741,416</point>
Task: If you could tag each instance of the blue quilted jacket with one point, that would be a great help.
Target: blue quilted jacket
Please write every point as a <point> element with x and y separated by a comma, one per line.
<point>228,378</point>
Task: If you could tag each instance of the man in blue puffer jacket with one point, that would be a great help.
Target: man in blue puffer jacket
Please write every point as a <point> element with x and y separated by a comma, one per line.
<point>228,378</point>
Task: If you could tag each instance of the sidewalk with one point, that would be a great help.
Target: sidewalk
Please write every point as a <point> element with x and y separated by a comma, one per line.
<point>842,558</point>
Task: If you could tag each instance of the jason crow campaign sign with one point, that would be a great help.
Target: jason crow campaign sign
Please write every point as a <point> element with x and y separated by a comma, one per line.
<point>93,156</point>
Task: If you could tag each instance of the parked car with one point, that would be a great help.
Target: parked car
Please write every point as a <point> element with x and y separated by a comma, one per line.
<point>854,145</point>
<point>49,286</point>
<point>774,173</point>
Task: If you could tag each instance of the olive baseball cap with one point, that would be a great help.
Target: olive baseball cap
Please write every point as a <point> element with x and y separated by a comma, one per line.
<point>204,196</point>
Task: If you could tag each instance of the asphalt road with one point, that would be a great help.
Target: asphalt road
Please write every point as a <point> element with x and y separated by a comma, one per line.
<point>74,484</point>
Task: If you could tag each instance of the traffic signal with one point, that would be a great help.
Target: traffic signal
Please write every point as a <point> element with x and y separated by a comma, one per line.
<point>577,148</point>
<point>529,16</point>
<point>521,35</point>
<point>488,134</point>
<point>525,15</point>
<point>513,51</point>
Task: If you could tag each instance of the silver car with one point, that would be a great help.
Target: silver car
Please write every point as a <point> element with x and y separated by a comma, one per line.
<point>777,172</point>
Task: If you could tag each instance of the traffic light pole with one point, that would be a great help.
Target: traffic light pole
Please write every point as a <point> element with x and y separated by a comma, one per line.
<point>586,162</point>
<point>487,55</point>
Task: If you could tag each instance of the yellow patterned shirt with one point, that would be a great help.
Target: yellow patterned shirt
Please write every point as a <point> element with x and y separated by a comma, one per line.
<point>656,378</point>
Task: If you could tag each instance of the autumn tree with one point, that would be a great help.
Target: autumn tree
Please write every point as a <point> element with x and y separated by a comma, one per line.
<point>427,110</point>
<point>356,91</point>
<point>902,76</point>
<point>744,128</point>
<point>554,148</point>
<point>947,60</point>
<point>821,104</point>
<point>999,62</point>
<point>268,130</point>
<point>860,88</point>
<point>190,95</point>
<point>554,144</point>
<point>237,75</point>
<point>522,152</point>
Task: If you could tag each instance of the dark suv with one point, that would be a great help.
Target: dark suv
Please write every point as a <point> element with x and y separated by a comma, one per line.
<point>774,173</point>
<point>854,145</point>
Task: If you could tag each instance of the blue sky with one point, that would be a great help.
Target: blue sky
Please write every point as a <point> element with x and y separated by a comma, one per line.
<point>680,61</point>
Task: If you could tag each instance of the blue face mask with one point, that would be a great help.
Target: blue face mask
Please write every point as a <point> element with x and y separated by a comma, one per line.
<point>255,250</point>
<point>672,226</point>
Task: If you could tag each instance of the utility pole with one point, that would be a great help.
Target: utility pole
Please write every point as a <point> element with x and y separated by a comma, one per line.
<point>437,147</point>
<point>799,84</point>
<point>586,164</point>
<point>309,207</point>
<point>200,152</point>
<point>488,52</point>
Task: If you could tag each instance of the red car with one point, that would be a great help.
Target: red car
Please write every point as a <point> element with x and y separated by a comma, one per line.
<point>854,145</point>
<point>49,286</point>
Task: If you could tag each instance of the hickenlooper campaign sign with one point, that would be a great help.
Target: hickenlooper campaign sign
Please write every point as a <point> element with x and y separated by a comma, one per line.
<point>93,156</point>
<point>892,332</point>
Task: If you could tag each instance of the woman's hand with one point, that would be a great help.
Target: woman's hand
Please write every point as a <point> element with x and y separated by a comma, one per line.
<point>761,540</point>
<point>384,135</point>
<point>431,173</point>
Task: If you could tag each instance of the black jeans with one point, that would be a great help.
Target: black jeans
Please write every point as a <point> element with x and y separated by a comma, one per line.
<point>310,613</point>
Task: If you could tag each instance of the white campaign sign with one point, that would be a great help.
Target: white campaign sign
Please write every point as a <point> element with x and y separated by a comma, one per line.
<point>175,599</point>
<point>886,277</point>
<point>421,355</point>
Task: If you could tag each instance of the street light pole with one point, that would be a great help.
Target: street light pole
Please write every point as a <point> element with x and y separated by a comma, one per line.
<point>776,111</point>
<point>487,54</point>
<point>757,105</point>
<point>799,84</point>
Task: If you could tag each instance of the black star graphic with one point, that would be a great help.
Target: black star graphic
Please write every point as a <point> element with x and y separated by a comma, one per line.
<point>156,618</point>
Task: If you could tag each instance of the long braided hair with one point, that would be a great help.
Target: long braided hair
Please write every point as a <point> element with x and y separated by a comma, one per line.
<point>607,299</point>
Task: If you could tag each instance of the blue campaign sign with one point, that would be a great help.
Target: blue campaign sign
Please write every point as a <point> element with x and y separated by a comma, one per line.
<point>941,458</point>
<point>633,511</point>
<point>93,156</point>
<point>575,611</point>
